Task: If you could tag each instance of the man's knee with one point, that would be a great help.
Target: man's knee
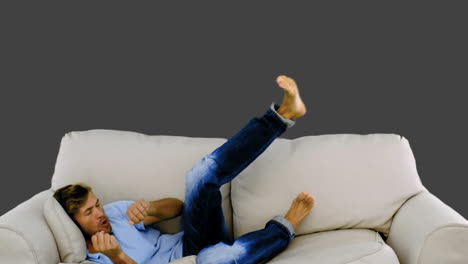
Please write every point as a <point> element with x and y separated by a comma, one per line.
<point>221,253</point>
<point>201,172</point>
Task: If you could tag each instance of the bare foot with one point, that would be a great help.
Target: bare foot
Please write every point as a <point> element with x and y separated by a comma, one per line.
<point>292,106</point>
<point>300,208</point>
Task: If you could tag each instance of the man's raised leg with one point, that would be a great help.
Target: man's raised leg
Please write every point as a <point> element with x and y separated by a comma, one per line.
<point>202,218</point>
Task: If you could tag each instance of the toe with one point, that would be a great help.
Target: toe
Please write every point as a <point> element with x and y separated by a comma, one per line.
<point>282,82</point>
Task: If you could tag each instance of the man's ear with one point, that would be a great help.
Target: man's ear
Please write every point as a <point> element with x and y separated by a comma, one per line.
<point>68,236</point>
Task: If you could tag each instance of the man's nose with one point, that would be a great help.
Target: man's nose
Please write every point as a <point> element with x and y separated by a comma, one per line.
<point>99,213</point>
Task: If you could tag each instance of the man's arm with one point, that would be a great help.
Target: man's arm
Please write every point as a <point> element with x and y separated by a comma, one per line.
<point>163,209</point>
<point>155,211</point>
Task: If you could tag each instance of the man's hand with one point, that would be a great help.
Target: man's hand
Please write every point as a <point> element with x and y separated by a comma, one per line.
<point>137,211</point>
<point>106,244</point>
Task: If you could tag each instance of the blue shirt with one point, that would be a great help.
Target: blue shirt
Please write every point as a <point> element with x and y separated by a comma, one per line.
<point>143,245</point>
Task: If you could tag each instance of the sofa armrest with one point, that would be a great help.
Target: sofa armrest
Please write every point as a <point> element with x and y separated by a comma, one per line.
<point>25,237</point>
<point>427,231</point>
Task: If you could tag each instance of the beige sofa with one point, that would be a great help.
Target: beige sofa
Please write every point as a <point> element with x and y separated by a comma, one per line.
<point>370,205</point>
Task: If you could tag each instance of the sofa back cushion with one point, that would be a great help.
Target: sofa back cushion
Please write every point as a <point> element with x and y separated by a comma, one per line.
<point>70,241</point>
<point>123,165</point>
<point>357,181</point>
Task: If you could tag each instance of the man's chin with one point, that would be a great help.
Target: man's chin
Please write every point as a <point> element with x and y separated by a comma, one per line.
<point>106,229</point>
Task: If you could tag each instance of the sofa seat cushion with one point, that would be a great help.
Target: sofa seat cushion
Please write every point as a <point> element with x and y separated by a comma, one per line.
<point>350,246</point>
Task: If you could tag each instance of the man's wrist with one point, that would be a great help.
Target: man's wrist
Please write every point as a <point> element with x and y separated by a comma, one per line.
<point>153,209</point>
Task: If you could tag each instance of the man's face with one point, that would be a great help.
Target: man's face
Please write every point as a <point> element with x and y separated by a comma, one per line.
<point>91,217</point>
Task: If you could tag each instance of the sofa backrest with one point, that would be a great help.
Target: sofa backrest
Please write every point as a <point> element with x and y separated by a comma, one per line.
<point>123,165</point>
<point>357,181</point>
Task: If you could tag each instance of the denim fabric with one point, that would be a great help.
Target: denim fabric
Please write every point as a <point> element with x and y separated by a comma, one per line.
<point>205,231</point>
<point>288,122</point>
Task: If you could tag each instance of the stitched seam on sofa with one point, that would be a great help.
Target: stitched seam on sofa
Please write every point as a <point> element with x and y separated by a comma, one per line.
<point>421,192</point>
<point>403,204</point>
<point>235,222</point>
<point>421,251</point>
<point>358,258</point>
<point>397,211</point>
<point>24,238</point>
<point>375,240</point>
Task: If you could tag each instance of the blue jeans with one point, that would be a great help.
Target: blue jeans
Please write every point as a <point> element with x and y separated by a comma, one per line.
<point>205,231</point>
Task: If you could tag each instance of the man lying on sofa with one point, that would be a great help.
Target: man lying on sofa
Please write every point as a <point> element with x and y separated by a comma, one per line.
<point>118,233</point>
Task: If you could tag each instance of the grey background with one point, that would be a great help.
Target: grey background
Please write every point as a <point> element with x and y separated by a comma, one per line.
<point>204,69</point>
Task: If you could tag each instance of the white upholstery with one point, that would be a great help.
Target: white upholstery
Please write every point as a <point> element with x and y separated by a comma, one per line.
<point>338,246</point>
<point>341,171</point>
<point>123,165</point>
<point>68,237</point>
<point>426,230</point>
<point>24,234</point>
<point>362,185</point>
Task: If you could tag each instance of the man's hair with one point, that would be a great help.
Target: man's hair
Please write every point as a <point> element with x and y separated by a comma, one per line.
<point>72,197</point>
